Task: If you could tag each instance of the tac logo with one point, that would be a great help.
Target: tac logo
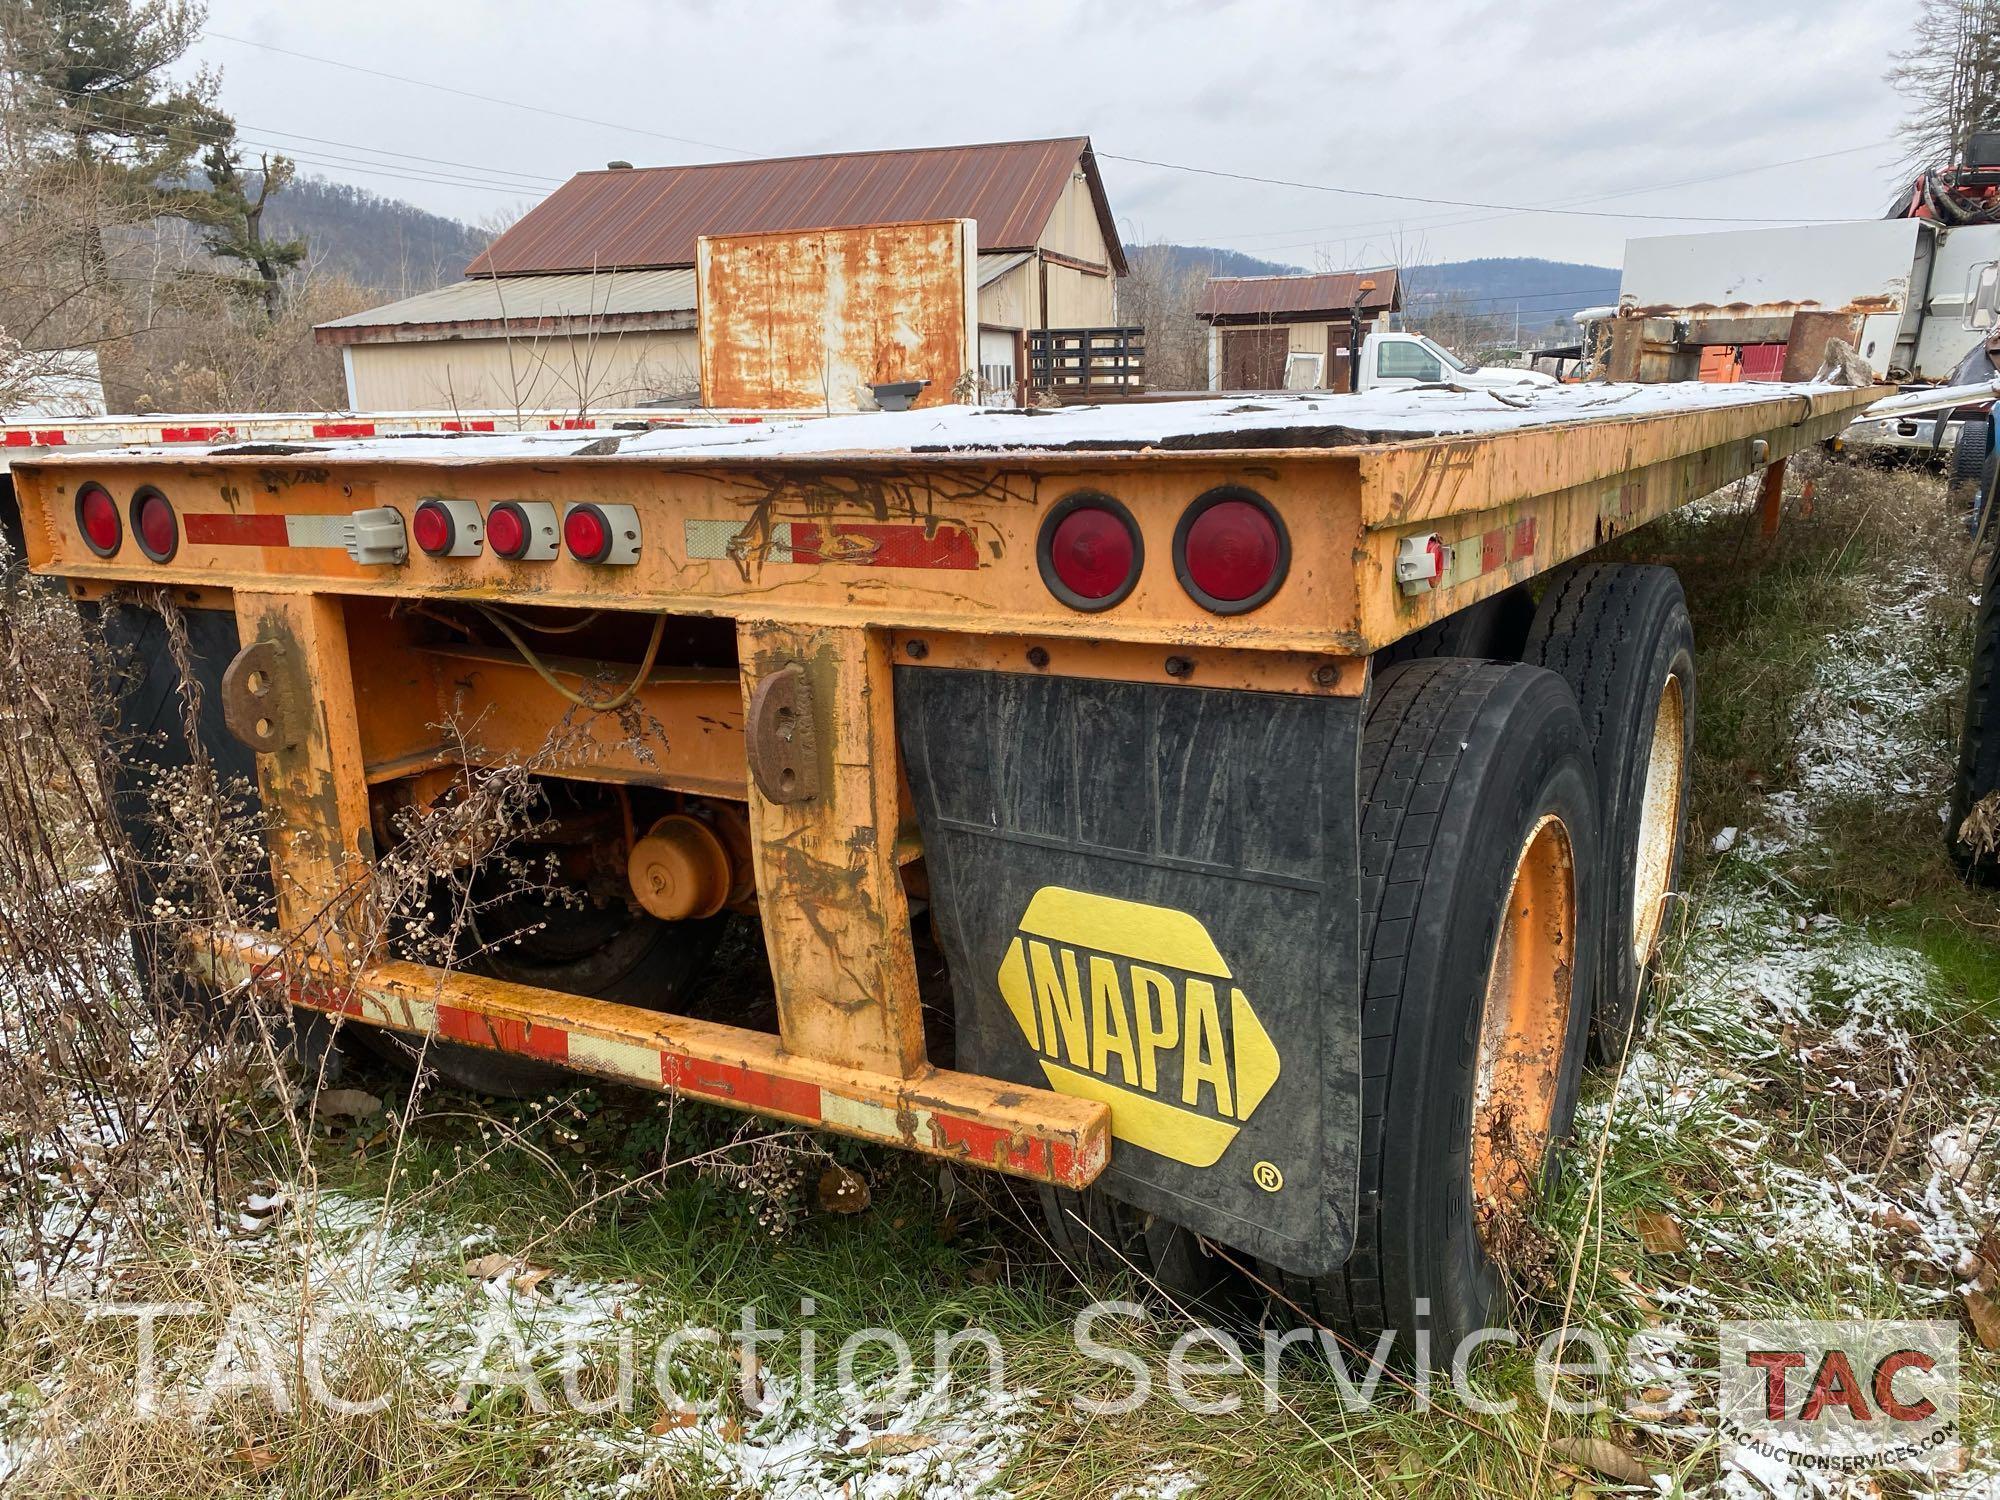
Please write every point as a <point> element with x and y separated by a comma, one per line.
<point>1842,1396</point>
<point>1134,1005</point>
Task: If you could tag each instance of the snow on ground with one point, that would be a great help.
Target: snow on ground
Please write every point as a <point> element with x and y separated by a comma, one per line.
<point>936,1448</point>
<point>1164,1481</point>
<point>444,1314</point>
<point>1762,986</point>
<point>1865,736</point>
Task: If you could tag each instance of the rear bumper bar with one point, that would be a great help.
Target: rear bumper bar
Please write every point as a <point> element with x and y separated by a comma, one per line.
<point>1026,1132</point>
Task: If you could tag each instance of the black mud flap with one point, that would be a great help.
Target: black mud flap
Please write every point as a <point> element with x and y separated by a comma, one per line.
<point>1148,895</point>
<point>140,676</point>
<point>12,537</point>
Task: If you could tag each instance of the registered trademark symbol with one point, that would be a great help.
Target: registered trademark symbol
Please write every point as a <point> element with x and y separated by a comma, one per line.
<point>1267,1176</point>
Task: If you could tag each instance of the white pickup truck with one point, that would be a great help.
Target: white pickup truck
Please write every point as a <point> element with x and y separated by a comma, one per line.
<point>1392,360</point>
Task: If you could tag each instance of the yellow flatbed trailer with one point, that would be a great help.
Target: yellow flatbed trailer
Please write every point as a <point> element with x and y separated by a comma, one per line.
<point>1281,881</point>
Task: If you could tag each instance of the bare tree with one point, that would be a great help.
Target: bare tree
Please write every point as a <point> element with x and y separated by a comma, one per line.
<point>1162,294</point>
<point>1951,77</point>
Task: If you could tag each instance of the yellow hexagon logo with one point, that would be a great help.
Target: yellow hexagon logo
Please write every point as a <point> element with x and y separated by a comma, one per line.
<point>1134,1006</point>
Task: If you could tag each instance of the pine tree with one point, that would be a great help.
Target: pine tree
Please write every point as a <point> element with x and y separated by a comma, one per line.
<point>95,106</point>
<point>233,221</point>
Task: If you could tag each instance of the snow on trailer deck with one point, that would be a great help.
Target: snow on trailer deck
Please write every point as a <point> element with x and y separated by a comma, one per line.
<point>1209,425</point>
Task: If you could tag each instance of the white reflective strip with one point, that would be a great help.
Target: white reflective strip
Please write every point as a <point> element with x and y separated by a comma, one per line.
<point>316,531</point>
<point>406,1012</point>
<point>626,1059</point>
<point>865,1117</point>
<point>711,539</point>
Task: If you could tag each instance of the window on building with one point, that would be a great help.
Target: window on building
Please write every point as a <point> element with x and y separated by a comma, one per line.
<point>1401,361</point>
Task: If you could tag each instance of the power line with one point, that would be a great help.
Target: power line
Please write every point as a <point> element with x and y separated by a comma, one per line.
<point>1512,208</point>
<point>1658,187</point>
<point>1513,299</point>
<point>392,170</point>
<point>425,83</point>
<point>438,161</point>
<point>399,171</point>
<point>532,181</point>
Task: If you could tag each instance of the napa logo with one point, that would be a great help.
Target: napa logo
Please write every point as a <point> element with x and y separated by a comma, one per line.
<point>1134,1006</point>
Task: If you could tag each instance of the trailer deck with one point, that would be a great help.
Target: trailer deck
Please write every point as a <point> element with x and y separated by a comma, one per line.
<point>1313,419</point>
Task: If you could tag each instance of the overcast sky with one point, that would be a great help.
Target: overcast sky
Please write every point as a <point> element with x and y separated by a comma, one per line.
<point>1599,106</point>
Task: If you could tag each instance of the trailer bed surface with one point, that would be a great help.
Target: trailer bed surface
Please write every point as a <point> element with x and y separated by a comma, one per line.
<point>1307,420</point>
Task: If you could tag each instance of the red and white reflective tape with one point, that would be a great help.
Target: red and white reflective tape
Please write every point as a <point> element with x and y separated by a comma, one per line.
<point>1507,544</point>
<point>913,544</point>
<point>222,528</point>
<point>903,1118</point>
<point>1490,551</point>
<point>283,427</point>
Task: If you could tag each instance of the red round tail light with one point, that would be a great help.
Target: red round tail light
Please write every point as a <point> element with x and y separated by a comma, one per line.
<point>507,529</point>
<point>433,529</point>
<point>1090,552</point>
<point>97,518</point>
<point>586,533</point>
<point>1231,551</point>
<point>154,525</point>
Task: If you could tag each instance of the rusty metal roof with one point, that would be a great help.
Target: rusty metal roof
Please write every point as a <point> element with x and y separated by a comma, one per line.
<point>633,218</point>
<point>1230,297</point>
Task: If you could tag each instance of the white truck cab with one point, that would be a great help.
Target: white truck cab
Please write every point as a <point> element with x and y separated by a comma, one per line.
<point>1393,360</point>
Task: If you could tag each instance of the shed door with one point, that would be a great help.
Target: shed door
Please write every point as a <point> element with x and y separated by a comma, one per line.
<point>1253,359</point>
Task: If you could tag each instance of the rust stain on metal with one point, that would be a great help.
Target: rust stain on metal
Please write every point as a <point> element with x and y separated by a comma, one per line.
<point>810,320</point>
<point>1872,302</point>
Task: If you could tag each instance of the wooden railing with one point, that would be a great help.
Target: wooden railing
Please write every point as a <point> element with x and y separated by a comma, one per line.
<point>1087,364</point>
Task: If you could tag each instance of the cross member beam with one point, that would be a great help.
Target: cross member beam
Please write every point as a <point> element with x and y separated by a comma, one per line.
<point>1025,1132</point>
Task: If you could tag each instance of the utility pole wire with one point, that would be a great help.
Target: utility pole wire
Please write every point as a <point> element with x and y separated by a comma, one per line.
<point>1512,208</point>
<point>443,88</point>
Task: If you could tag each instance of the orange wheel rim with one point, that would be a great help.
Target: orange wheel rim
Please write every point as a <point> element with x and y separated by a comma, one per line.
<point>1659,821</point>
<point>1524,1024</point>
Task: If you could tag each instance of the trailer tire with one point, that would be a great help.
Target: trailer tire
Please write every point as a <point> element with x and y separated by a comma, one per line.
<point>1969,453</point>
<point>1620,636</point>
<point>1979,739</point>
<point>1493,629</point>
<point>1094,1231</point>
<point>1479,858</point>
<point>1980,518</point>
